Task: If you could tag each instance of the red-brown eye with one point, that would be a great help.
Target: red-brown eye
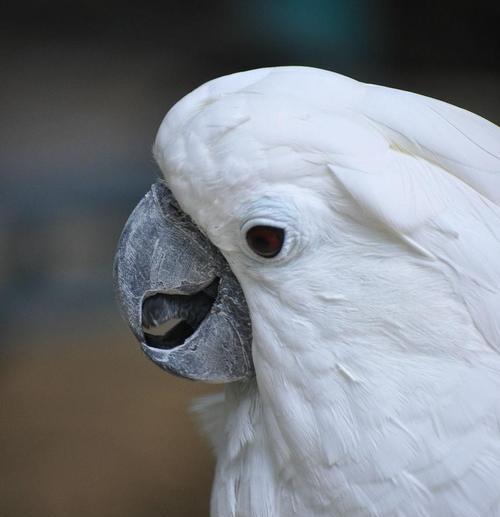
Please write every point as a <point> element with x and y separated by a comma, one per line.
<point>266,241</point>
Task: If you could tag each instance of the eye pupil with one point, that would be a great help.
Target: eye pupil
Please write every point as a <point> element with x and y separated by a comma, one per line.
<point>266,241</point>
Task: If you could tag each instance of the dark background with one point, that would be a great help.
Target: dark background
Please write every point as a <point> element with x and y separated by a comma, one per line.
<point>88,427</point>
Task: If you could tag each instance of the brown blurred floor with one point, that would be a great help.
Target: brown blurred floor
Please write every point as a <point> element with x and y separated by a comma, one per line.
<point>94,429</point>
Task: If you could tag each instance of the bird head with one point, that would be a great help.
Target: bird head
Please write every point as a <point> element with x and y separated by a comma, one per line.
<point>285,213</point>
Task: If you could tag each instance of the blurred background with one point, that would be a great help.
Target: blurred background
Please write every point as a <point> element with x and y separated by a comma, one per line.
<point>88,426</point>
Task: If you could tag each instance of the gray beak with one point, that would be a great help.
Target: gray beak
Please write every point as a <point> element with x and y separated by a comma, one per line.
<point>169,276</point>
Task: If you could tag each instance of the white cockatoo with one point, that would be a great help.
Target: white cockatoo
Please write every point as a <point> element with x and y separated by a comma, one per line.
<point>331,250</point>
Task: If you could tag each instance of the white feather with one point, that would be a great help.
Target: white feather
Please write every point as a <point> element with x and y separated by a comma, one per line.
<point>376,330</point>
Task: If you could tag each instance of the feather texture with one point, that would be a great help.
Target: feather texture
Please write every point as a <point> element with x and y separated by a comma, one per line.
<point>377,329</point>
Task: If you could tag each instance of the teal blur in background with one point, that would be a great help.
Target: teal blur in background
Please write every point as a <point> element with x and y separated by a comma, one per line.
<point>88,426</point>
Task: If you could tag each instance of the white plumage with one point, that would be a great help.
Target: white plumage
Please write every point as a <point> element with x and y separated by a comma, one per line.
<point>376,330</point>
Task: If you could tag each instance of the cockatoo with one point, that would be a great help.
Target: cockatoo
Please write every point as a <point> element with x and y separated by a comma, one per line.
<point>330,250</point>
